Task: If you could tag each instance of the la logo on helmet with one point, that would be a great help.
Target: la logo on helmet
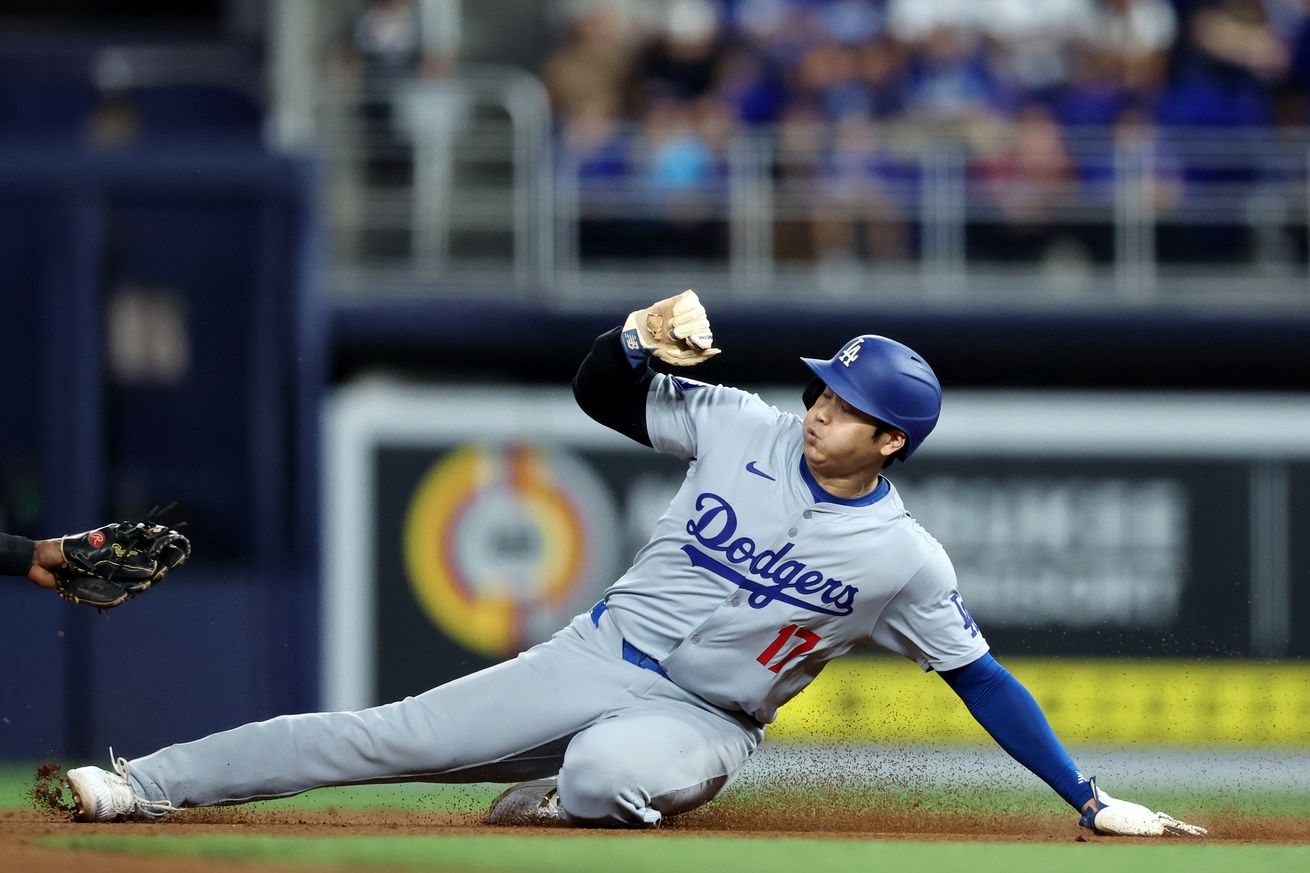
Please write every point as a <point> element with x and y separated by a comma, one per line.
<point>851,352</point>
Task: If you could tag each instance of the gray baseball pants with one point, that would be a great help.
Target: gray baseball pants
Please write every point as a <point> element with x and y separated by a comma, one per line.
<point>629,745</point>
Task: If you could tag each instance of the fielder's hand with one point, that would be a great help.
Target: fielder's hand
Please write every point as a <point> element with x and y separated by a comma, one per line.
<point>675,330</point>
<point>1125,819</point>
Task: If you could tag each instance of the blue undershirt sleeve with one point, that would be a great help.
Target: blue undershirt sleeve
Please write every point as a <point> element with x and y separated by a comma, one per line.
<point>1009,713</point>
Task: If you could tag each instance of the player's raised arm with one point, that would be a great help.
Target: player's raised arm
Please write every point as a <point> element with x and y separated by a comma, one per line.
<point>612,383</point>
<point>1007,711</point>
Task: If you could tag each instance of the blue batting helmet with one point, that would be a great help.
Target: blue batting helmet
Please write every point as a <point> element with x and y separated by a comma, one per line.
<point>885,379</point>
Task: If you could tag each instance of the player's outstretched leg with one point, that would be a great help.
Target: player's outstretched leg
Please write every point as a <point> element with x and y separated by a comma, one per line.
<point>511,721</point>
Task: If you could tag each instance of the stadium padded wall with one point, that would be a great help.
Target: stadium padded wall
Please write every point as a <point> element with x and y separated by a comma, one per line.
<point>168,343</point>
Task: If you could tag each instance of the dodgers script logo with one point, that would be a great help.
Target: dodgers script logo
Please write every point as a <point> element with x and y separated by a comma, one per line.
<point>716,530</point>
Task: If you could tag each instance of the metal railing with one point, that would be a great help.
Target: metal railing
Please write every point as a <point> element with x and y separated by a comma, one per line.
<point>441,177</point>
<point>460,183</point>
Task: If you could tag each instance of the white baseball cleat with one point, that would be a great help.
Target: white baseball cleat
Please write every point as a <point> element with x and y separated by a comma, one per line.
<point>527,803</point>
<point>104,796</point>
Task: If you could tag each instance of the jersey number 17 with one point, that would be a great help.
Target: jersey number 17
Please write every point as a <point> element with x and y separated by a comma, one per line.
<point>807,640</point>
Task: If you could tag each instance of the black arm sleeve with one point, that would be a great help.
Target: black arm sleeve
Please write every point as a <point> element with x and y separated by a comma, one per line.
<point>15,555</point>
<point>611,390</point>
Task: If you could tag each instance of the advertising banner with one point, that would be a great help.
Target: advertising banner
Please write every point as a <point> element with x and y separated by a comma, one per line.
<point>487,548</point>
<point>1077,556</point>
<point>467,525</point>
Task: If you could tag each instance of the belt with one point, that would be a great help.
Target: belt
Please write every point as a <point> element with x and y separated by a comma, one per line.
<point>631,653</point>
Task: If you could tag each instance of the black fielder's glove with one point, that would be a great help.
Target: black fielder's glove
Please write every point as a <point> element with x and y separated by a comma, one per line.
<point>109,565</point>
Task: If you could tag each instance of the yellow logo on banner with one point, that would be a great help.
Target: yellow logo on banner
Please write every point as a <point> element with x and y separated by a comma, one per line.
<point>502,544</point>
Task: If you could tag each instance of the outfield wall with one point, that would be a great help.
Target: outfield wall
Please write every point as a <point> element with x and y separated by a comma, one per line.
<point>163,342</point>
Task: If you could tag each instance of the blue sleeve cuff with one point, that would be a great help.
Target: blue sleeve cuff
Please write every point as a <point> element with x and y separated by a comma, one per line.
<point>1008,712</point>
<point>636,355</point>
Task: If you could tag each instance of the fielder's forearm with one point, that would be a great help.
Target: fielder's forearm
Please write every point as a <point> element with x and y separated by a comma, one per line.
<point>15,555</point>
<point>1009,713</point>
<point>611,387</point>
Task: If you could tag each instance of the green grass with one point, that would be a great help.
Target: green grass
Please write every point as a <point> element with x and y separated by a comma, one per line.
<point>16,780</point>
<point>424,797</point>
<point>638,852</point>
<point>649,853</point>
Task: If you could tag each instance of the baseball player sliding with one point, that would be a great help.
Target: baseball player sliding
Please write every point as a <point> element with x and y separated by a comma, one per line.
<point>785,547</point>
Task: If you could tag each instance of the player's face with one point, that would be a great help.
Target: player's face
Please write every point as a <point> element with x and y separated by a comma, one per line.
<point>840,441</point>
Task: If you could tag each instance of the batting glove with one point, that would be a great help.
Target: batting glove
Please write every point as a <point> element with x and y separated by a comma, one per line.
<point>1123,818</point>
<point>676,330</point>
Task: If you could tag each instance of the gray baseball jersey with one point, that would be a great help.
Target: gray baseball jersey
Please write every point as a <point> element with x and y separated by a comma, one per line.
<point>755,578</point>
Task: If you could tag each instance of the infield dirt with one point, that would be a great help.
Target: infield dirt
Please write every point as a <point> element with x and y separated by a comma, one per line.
<point>20,828</point>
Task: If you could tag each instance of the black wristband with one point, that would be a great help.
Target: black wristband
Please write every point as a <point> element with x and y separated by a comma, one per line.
<point>15,555</point>
<point>611,390</point>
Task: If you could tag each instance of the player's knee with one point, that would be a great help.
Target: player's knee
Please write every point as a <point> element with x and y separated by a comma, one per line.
<point>588,793</point>
<point>598,788</point>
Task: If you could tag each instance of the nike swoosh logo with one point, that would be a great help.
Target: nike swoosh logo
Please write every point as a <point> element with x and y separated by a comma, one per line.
<point>751,468</point>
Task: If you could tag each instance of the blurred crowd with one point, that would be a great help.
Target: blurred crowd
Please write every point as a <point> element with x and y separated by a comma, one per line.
<point>850,92</point>
<point>1184,62</point>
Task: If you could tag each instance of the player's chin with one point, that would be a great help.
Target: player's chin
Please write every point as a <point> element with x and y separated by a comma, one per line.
<point>815,455</point>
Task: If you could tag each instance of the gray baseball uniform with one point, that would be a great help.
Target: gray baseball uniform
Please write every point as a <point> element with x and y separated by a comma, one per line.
<point>649,705</point>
